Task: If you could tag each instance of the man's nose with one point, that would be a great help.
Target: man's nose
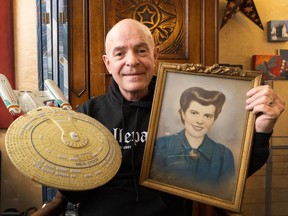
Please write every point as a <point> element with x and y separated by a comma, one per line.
<point>131,59</point>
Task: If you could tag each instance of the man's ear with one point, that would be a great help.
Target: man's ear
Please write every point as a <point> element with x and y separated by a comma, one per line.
<point>156,53</point>
<point>106,62</point>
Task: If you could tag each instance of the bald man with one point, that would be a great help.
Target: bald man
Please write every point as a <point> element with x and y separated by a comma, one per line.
<point>130,58</point>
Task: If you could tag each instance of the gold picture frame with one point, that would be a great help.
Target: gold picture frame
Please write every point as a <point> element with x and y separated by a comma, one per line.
<point>164,161</point>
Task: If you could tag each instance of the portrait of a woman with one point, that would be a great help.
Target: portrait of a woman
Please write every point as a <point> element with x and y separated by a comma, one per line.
<point>190,159</point>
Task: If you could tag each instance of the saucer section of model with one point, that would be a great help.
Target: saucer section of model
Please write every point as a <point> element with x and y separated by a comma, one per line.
<point>63,149</point>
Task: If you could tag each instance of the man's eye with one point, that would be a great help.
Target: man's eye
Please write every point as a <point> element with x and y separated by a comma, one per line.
<point>142,51</point>
<point>118,54</point>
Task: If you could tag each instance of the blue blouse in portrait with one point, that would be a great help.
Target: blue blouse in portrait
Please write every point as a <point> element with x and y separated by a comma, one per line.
<point>209,169</point>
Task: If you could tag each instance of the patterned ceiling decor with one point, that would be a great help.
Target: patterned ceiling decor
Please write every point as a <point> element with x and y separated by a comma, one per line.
<point>247,7</point>
<point>163,18</point>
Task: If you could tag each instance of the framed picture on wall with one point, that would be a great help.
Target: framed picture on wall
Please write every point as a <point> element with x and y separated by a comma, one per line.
<point>277,30</point>
<point>284,63</point>
<point>199,122</point>
<point>269,65</point>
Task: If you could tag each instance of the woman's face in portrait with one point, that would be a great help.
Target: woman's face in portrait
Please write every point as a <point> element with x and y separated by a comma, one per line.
<point>198,119</point>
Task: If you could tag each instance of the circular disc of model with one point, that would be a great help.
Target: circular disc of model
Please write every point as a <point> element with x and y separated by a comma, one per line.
<point>63,149</point>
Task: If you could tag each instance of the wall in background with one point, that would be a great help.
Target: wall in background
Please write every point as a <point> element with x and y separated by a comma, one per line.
<point>7,66</point>
<point>25,35</point>
<point>240,38</point>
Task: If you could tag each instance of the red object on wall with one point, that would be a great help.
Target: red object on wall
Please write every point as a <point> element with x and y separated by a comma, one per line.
<point>7,62</point>
<point>269,65</point>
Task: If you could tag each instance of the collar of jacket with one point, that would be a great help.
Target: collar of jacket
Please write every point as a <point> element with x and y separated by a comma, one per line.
<point>145,102</point>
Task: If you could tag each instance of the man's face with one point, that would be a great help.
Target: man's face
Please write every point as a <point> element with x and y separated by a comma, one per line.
<point>198,119</point>
<point>130,58</point>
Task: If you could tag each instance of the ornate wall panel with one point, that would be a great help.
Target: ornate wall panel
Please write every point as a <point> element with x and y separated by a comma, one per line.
<point>165,19</point>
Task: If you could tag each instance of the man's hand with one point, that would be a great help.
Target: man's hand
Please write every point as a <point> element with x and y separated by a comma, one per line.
<point>56,207</point>
<point>267,105</point>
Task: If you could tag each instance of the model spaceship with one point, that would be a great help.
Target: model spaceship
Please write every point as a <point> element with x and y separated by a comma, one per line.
<point>21,102</point>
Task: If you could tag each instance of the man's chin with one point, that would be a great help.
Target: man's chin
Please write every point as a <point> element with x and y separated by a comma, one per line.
<point>135,88</point>
<point>136,84</point>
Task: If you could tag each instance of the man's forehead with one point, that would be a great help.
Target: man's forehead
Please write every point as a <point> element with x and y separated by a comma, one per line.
<point>129,30</point>
<point>122,40</point>
<point>126,37</point>
<point>127,33</point>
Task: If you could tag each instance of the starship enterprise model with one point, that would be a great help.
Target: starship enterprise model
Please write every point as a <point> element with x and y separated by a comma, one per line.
<point>20,102</point>
<point>56,146</point>
<point>63,149</point>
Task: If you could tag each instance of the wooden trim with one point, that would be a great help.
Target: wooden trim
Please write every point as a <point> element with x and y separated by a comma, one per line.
<point>78,52</point>
<point>205,34</point>
<point>97,49</point>
<point>195,35</point>
<point>209,31</point>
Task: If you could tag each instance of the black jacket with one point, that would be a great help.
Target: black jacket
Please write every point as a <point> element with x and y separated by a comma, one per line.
<point>128,122</point>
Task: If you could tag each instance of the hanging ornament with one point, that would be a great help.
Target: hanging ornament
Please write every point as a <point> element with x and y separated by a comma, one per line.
<point>247,7</point>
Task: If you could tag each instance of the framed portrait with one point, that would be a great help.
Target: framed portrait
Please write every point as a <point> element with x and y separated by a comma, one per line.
<point>200,133</point>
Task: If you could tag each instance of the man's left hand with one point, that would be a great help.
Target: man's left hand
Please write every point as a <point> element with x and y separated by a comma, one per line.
<point>267,105</point>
